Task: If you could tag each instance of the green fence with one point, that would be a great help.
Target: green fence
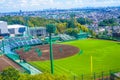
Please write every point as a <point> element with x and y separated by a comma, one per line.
<point>53,39</point>
<point>104,75</point>
<point>82,35</point>
<point>109,38</point>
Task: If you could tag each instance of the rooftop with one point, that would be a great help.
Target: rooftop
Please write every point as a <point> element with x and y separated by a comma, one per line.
<point>15,26</point>
<point>2,21</point>
<point>38,27</point>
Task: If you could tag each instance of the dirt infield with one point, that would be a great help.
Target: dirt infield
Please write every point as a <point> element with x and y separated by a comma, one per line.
<point>59,51</point>
<point>5,62</point>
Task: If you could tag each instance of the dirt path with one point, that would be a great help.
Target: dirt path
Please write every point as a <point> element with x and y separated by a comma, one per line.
<point>6,62</point>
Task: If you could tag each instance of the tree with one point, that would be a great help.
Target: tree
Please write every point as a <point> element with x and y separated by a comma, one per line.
<point>10,74</point>
<point>61,27</point>
<point>84,21</point>
<point>81,21</point>
<point>82,27</point>
<point>71,22</point>
<point>92,33</point>
<point>31,22</point>
<point>72,31</point>
<point>108,22</point>
<point>50,28</point>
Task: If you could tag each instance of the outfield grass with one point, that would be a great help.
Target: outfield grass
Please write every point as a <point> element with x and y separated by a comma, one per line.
<point>106,56</point>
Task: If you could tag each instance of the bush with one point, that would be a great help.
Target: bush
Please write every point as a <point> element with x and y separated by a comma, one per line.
<point>0,77</point>
<point>10,74</point>
<point>13,74</point>
<point>24,77</point>
<point>62,77</point>
<point>44,76</point>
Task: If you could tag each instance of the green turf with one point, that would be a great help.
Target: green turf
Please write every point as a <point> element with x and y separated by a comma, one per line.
<point>106,56</point>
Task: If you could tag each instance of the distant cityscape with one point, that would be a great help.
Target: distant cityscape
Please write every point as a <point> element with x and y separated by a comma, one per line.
<point>94,14</point>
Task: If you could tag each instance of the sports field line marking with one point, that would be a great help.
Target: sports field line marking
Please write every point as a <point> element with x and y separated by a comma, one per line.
<point>8,62</point>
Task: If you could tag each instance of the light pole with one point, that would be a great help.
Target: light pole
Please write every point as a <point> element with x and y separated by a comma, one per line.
<point>50,28</point>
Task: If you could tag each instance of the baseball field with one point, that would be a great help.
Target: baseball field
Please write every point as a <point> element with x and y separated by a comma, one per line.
<point>105,56</point>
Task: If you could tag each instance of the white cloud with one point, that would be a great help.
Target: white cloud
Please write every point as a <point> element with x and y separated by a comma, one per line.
<point>2,1</point>
<point>16,5</point>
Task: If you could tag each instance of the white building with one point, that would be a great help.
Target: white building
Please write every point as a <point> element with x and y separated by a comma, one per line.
<point>3,29</point>
<point>16,29</point>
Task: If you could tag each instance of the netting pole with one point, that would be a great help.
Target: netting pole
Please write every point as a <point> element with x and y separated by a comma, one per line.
<point>102,75</point>
<point>74,77</point>
<point>51,55</point>
<point>82,77</point>
<point>50,28</point>
<point>94,76</point>
<point>111,75</point>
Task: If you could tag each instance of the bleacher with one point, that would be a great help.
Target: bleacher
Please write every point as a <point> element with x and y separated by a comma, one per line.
<point>23,41</point>
<point>16,42</point>
<point>65,37</point>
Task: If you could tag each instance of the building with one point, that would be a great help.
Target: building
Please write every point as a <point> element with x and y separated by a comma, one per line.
<point>20,30</point>
<point>38,31</point>
<point>16,30</point>
<point>3,29</point>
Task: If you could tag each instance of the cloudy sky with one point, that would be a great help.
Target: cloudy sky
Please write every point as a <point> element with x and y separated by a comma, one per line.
<point>16,5</point>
